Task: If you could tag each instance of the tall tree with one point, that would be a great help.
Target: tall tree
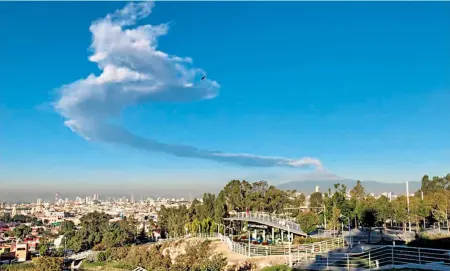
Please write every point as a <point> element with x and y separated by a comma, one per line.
<point>220,208</point>
<point>316,200</point>
<point>358,191</point>
<point>21,231</point>
<point>308,221</point>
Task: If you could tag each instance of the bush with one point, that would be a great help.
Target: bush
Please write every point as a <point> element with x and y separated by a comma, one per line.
<point>436,240</point>
<point>102,257</point>
<point>49,264</point>
<point>99,247</point>
<point>18,267</point>
<point>277,268</point>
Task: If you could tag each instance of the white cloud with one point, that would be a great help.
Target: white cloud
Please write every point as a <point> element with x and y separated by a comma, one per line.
<point>134,71</point>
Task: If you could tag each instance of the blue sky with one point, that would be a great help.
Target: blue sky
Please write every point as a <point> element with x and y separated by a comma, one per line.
<point>363,87</point>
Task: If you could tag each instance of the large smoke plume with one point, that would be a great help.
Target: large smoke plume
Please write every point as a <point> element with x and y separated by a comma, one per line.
<point>134,71</point>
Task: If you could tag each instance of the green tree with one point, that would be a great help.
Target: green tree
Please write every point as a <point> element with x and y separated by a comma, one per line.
<point>207,209</point>
<point>235,195</point>
<point>21,231</point>
<point>119,234</point>
<point>316,200</point>
<point>43,247</point>
<point>358,191</point>
<point>335,218</point>
<point>308,221</point>
<point>220,208</point>
<point>296,201</point>
<point>368,218</point>
<point>66,226</point>
<point>93,227</point>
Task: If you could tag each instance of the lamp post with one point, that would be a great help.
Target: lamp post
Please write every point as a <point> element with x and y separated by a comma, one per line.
<point>249,236</point>
<point>407,201</point>
<point>350,234</point>
<point>289,244</point>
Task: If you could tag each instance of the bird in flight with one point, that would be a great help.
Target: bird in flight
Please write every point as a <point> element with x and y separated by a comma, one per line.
<point>203,77</point>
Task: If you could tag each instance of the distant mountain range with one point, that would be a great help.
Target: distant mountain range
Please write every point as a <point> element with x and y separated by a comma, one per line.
<point>308,182</point>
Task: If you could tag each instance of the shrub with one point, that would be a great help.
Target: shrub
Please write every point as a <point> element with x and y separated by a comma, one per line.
<point>18,267</point>
<point>436,240</point>
<point>49,264</point>
<point>277,268</point>
<point>102,257</point>
<point>99,247</point>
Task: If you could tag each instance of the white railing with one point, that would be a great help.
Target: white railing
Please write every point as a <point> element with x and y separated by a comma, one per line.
<point>269,218</point>
<point>213,235</point>
<point>139,269</point>
<point>82,255</point>
<point>296,252</point>
<point>386,257</point>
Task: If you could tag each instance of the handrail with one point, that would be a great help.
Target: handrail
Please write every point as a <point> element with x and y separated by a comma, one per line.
<point>270,218</point>
<point>384,257</point>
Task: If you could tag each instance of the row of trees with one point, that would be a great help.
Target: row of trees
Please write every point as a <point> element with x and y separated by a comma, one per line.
<point>7,218</point>
<point>95,232</point>
<point>237,196</point>
<point>429,205</point>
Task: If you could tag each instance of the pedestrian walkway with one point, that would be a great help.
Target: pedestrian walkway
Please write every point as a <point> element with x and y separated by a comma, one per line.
<point>271,220</point>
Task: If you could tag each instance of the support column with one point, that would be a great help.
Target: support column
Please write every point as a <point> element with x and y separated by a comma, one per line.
<point>255,234</point>
<point>282,232</point>
<point>273,235</point>
<point>264,235</point>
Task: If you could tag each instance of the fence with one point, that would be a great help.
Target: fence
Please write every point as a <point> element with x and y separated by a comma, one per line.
<point>214,235</point>
<point>83,255</point>
<point>386,257</point>
<point>270,218</point>
<point>297,252</point>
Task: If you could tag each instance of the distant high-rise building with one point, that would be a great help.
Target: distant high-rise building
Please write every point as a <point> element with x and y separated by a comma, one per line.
<point>317,188</point>
<point>132,198</point>
<point>96,196</point>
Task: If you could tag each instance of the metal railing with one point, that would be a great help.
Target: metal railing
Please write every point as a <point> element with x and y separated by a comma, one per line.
<point>297,252</point>
<point>385,257</point>
<point>270,219</point>
<point>214,235</point>
<point>82,255</point>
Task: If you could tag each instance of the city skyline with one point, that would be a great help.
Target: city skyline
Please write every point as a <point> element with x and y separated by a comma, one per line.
<point>355,89</point>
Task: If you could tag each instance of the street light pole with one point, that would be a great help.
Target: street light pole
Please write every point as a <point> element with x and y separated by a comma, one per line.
<point>350,233</point>
<point>289,244</point>
<point>407,201</point>
<point>249,236</point>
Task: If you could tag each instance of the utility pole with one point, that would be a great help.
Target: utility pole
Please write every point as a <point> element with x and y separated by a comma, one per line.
<point>350,233</point>
<point>407,201</point>
<point>249,236</point>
